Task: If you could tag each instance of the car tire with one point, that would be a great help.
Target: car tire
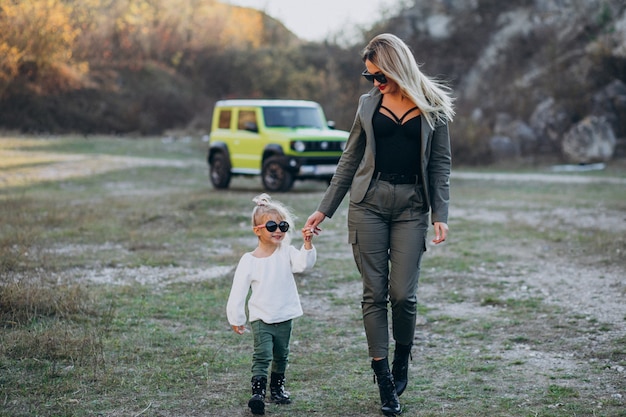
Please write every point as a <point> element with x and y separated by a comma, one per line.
<point>219,171</point>
<point>275,177</point>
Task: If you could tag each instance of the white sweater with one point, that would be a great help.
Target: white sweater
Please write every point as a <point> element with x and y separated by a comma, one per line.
<point>274,297</point>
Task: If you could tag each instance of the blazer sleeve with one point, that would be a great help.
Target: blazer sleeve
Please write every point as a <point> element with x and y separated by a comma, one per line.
<point>439,166</point>
<point>347,166</point>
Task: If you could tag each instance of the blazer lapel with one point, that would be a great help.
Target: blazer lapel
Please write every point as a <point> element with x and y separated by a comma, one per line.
<point>369,107</point>
<point>426,131</point>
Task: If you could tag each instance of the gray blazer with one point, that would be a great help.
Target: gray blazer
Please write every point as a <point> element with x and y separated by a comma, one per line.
<point>356,166</point>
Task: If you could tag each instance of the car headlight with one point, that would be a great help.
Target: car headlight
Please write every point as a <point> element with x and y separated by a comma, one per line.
<point>299,146</point>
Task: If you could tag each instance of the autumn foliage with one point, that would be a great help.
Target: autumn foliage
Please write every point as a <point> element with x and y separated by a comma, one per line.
<point>115,66</point>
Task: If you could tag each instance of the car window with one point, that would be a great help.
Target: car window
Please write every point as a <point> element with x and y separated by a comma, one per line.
<point>292,117</point>
<point>224,120</point>
<point>247,120</point>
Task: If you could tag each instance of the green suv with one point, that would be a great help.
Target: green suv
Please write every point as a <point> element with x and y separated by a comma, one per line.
<point>281,140</point>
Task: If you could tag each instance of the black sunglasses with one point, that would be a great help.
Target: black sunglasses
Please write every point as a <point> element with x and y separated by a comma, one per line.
<point>371,77</point>
<point>271,226</point>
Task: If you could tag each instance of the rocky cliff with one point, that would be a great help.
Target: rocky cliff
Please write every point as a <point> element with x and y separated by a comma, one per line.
<point>531,76</point>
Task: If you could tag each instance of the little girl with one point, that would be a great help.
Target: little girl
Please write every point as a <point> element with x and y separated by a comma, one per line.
<point>274,302</point>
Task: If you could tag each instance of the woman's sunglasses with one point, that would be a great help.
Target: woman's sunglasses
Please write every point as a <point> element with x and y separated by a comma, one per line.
<point>371,77</point>
<point>271,226</point>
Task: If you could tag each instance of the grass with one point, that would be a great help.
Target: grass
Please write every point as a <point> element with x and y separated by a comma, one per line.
<point>114,284</point>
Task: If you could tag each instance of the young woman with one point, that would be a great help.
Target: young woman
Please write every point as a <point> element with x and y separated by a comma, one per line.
<point>397,167</point>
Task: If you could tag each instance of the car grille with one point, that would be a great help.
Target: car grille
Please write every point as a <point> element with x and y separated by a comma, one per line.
<point>322,146</point>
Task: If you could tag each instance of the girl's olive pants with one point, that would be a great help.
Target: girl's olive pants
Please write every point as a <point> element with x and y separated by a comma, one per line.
<point>271,345</point>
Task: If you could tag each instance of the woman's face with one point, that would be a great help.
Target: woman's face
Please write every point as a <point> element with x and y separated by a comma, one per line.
<point>389,87</point>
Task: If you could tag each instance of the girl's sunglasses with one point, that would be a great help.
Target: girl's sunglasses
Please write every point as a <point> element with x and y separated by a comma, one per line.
<point>371,77</point>
<point>271,226</point>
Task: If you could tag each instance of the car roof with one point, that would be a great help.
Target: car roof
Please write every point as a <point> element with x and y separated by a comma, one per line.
<point>265,103</point>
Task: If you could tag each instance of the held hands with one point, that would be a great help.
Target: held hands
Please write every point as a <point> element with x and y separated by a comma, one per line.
<point>307,236</point>
<point>441,232</point>
<point>313,221</point>
<point>310,228</point>
<point>239,329</point>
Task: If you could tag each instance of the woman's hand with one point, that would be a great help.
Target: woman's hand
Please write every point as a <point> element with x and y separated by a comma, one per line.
<point>239,329</point>
<point>441,232</point>
<point>314,220</point>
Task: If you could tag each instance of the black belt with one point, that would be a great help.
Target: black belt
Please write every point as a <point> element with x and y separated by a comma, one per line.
<point>397,178</point>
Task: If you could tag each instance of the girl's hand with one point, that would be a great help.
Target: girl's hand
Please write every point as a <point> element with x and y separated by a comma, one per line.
<point>239,329</point>
<point>307,234</point>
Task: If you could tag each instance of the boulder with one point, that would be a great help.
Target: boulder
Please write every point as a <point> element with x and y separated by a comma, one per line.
<point>503,147</point>
<point>519,132</point>
<point>590,140</point>
<point>610,103</point>
<point>549,121</point>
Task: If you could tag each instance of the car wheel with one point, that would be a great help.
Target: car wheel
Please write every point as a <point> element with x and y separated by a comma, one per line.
<point>219,171</point>
<point>275,177</point>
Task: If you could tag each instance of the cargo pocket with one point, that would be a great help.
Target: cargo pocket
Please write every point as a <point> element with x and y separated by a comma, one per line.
<point>356,253</point>
<point>418,200</point>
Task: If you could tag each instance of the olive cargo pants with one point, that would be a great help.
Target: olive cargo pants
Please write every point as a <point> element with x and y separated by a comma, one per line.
<point>387,231</point>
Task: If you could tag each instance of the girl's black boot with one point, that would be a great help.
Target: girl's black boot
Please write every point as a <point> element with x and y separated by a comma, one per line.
<point>257,402</point>
<point>390,404</point>
<point>277,389</point>
<point>400,368</point>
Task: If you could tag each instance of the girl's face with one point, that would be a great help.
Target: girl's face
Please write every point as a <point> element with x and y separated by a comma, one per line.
<point>269,229</point>
<point>389,87</point>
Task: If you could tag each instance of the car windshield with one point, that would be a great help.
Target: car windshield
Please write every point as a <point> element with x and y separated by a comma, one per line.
<point>292,117</point>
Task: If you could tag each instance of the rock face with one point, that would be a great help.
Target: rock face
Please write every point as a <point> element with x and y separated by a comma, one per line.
<point>550,121</point>
<point>590,140</point>
<point>513,138</point>
<point>557,68</point>
<point>610,102</point>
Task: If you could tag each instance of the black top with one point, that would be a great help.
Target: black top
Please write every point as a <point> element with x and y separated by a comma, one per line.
<point>398,142</point>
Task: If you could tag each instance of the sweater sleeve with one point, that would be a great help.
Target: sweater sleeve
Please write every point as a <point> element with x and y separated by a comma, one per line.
<point>236,306</point>
<point>302,259</point>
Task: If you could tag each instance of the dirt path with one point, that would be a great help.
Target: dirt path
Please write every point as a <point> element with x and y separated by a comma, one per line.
<point>554,178</point>
<point>20,168</point>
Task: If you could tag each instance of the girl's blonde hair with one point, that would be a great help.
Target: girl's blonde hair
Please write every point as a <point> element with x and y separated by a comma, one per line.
<point>265,206</point>
<point>395,60</point>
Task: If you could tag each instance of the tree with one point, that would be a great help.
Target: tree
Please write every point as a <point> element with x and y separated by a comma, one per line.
<point>36,40</point>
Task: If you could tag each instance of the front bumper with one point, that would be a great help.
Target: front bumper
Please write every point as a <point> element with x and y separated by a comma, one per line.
<point>312,167</point>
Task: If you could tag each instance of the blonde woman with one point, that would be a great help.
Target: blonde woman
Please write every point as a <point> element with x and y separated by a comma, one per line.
<point>396,165</point>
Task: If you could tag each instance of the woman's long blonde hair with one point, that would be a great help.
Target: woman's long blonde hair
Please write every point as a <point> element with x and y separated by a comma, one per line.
<point>396,61</point>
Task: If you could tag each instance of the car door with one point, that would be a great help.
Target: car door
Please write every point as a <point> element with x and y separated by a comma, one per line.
<point>247,146</point>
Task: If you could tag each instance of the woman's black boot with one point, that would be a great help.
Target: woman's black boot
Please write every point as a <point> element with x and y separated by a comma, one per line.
<point>257,402</point>
<point>388,396</point>
<point>277,389</point>
<point>400,368</point>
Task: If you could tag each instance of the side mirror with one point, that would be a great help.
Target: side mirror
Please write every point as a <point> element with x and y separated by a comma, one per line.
<point>331,124</point>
